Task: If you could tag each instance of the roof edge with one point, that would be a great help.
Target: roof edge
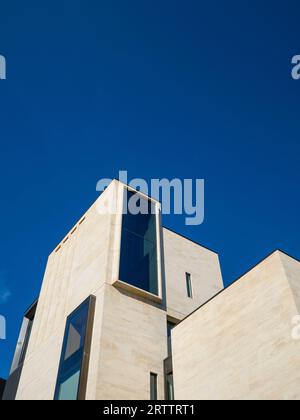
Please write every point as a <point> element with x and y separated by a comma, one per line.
<point>239,278</point>
<point>190,240</point>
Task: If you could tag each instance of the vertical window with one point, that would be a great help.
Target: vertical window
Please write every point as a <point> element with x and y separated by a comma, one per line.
<point>72,375</point>
<point>153,386</point>
<point>170,326</point>
<point>26,340</point>
<point>25,335</point>
<point>138,262</point>
<point>170,387</point>
<point>189,289</point>
<point>28,324</point>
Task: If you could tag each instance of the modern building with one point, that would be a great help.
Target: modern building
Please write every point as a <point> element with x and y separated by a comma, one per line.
<point>113,289</point>
<point>131,310</point>
<point>245,343</point>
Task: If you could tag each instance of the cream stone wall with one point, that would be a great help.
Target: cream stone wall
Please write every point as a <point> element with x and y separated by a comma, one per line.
<point>184,256</point>
<point>133,344</point>
<point>78,268</point>
<point>239,345</point>
<point>130,329</point>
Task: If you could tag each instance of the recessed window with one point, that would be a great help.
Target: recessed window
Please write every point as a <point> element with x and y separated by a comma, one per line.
<point>170,387</point>
<point>28,320</point>
<point>138,262</point>
<point>153,386</point>
<point>170,326</point>
<point>189,289</point>
<point>75,353</point>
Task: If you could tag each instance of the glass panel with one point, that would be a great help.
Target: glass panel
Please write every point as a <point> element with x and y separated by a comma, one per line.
<point>170,326</point>
<point>76,333</point>
<point>138,264</point>
<point>72,354</point>
<point>68,389</point>
<point>153,386</point>
<point>29,318</point>
<point>26,341</point>
<point>170,387</point>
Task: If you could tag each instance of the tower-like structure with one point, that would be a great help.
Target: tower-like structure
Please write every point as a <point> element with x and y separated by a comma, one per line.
<point>113,290</point>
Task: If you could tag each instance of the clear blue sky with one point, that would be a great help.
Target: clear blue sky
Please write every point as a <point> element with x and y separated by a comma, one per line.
<point>188,89</point>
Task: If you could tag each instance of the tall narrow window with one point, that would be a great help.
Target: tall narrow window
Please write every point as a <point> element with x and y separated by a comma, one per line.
<point>26,340</point>
<point>72,375</point>
<point>29,318</point>
<point>170,326</point>
<point>170,387</point>
<point>189,289</point>
<point>153,386</point>
<point>138,262</point>
<point>24,337</point>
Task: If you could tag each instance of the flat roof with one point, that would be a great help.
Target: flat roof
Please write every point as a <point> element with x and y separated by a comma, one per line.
<point>238,279</point>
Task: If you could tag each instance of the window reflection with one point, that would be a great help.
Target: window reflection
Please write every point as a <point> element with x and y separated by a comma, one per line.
<point>138,264</point>
<point>72,357</point>
<point>170,387</point>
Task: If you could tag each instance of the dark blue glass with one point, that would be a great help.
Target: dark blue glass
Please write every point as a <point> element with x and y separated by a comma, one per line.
<point>138,263</point>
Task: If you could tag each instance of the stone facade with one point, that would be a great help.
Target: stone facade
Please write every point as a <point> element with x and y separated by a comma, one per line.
<point>130,327</point>
<point>239,346</point>
<point>231,344</point>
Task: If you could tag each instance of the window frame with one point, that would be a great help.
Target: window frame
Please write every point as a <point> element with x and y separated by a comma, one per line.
<point>189,285</point>
<point>153,386</point>
<point>117,281</point>
<point>83,355</point>
<point>170,387</point>
<point>170,326</point>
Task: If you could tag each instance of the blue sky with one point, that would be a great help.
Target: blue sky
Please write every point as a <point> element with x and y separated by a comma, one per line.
<point>168,88</point>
